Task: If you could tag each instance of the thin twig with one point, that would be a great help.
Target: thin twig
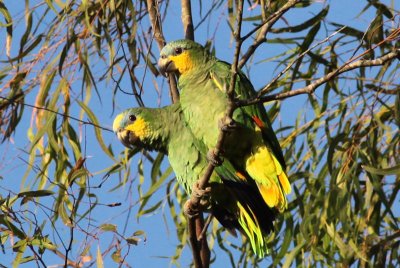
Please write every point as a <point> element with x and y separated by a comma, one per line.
<point>69,262</point>
<point>155,20</point>
<point>131,69</point>
<point>326,78</point>
<point>203,244</point>
<point>206,224</point>
<point>264,28</point>
<point>58,113</point>
<point>269,85</point>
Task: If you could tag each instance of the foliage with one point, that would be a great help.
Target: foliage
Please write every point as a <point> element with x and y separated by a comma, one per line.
<point>61,61</point>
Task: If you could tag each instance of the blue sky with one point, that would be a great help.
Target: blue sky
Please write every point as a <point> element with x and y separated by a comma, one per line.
<point>161,239</point>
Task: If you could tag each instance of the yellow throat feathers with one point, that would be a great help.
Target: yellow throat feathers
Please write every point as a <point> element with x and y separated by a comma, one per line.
<point>182,62</point>
<point>139,128</point>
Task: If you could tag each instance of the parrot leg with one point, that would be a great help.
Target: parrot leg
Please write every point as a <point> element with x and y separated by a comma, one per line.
<point>214,159</point>
<point>189,211</point>
<point>227,124</point>
<point>203,195</point>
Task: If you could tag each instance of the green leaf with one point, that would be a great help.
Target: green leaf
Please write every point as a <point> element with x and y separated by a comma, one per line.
<point>43,242</point>
<point>395,170</point>
<point>301,27</point>
<point>116,256</point>
<point>47,127</point>
<point>344,249</point>
<point>133,240</point>
<point>99,258</point>
<point>292,254</point>
<point>22,54</point>
<point>138,233</point>
<point>63,214</point>
<point>146,197</point>
<point>155,169</point>
<point>8,25</point>
<point>108,227</point>
<point>97,130</point>
<point>37,193</point>
<point>27,259</point>
<point>14,229</point>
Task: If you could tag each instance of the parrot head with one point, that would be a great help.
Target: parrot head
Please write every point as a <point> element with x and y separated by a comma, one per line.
<point>132,127</point>
<point>181,56</point>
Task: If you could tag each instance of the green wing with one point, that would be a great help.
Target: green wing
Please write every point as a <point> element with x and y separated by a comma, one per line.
<point>221,74</point>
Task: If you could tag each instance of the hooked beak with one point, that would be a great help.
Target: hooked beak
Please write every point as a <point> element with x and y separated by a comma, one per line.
<point>166,65</point>
<point>127,138</point>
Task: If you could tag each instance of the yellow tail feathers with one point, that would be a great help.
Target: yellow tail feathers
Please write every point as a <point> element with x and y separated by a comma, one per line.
<point>271,180</point>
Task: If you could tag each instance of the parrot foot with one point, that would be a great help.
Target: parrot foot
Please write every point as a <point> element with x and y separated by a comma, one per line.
<point>227,124</point>
<point>214,159</point>
<point>203,195</point>
<point>189,211</point>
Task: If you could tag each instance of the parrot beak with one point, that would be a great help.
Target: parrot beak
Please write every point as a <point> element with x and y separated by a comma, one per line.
<point>127,138</point>
<point>166,65</point>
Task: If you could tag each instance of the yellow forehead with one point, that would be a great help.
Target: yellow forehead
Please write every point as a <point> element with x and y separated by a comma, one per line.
<point>183,62</point>
<point>139,128</point>
<point>117,122</point>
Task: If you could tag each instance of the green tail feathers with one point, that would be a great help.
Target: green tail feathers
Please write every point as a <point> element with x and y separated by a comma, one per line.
<point>251,227</point>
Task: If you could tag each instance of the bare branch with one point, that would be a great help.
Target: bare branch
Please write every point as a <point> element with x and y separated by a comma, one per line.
<point>264,28</point>
<point>197,261</point>
<point>322,80</point>
<point>194,202</point>
<point>187,19</point>
<point>155,20</point>
<point>200,249</point>
<point>68,261</point>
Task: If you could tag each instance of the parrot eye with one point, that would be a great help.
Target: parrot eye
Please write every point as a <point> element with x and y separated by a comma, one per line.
<point>178,50</point>
<point>132,117</point>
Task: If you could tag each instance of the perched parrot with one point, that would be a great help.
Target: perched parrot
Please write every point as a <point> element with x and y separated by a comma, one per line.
<point>252,146</point>
<point>234,198</point>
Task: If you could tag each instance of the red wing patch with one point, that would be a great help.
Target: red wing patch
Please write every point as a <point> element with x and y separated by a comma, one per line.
<point>258,121</point>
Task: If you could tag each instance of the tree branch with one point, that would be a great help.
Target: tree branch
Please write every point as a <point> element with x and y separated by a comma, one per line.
<point>322,80</point>
<point>187,19</point>
<point>155,21</point>
<point>200,249</point>
<point>194,202</point>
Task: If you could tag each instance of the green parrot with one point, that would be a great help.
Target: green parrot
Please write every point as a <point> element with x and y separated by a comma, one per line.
<point>252,146</point>
<point>234,199</point>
